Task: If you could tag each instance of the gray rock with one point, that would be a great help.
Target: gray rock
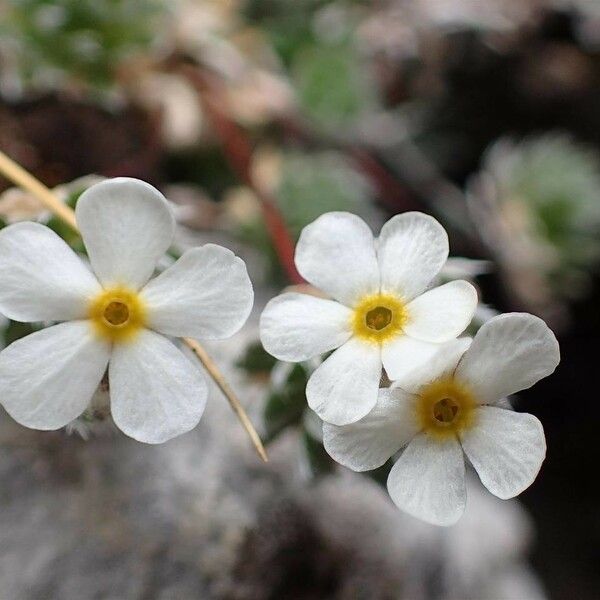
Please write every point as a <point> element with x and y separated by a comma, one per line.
<point>202,517</point>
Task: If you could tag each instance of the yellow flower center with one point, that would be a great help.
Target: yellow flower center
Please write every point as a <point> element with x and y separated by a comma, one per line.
<point>117,314</point>
<point>445,408</point>
<point>379,318</point>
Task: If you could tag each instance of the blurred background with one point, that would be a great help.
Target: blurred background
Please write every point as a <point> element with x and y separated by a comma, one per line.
<point>254,117</point>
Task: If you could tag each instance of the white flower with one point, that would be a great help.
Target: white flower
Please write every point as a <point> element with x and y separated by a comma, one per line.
<point>455,405</point>
<point>114,316</point>
<point>381,313</point>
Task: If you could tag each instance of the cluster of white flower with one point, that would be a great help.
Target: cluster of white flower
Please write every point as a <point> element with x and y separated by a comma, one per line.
<point>448,395</point>
<point>447,398</point>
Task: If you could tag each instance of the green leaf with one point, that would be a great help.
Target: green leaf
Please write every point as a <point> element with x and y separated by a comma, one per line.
<point>380,475</point>
<point>554,182</point>
<point>15,331</point>
<point>319,462</point>
<point>313,184</point>
<point>66,233</point>
<point>256,360</point>
<point>334,87</point>
<point>285,406</point>
<point>79,40</point>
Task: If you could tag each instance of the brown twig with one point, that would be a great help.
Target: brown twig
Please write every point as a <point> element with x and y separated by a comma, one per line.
<point>17,174</point>
<point>221,382</point>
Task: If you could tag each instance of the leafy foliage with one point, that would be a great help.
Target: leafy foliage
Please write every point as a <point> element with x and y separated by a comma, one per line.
<point>318,183</point>
<point>556,181</point>
<point>256,360</point>
<point>333,86</point>
<point>95,36</point>
<point>286,404</point>
<point>319,462</point>
<point>309,185</point>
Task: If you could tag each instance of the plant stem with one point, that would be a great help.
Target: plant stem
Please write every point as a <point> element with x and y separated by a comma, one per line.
<point>15,173</point>
<point>238,151</point>
<point>18,175</point>
<point>221,382</point>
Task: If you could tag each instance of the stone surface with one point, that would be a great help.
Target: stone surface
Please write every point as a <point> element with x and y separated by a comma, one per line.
<point>201,517</point>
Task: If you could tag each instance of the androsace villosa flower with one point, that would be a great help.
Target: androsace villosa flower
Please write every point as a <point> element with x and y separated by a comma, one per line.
<point>114,316</point>
<point>455,406</point>
<point>381,311</point>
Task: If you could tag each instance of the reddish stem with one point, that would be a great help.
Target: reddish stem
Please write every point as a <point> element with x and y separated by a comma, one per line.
<point>238,151</point>
<point>392,194</point>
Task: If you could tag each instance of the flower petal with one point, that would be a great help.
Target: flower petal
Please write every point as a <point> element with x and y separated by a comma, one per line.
<point>336,253</point>
<point>206,294</point>
<point>127,226</point>
<point>296,327</point>
<point>506,448</point>
<point>413,248</point>
<point>48,378</point>
<point>367,444</point>
<point>442,313</point>
<point>439,364</point>
<point>344,388</point>
<point>41,278</point>
<point>428,480</point>
<point>404,354</point>
<point>510,353</point>
<point>156,393</point>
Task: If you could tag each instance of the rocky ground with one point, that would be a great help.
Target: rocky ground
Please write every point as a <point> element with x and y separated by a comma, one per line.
<point>201,517</point>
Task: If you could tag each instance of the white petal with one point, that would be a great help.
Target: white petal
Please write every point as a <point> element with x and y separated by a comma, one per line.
<point>367,444</point>
<point>428,480</point>
<point>404,354</point>
<point>344,388</point>
<point>510,353</point>
<point>206,294</point>
<point>41,278</point>
<point>413,248</point>
<point>48,378</point>
<point>296,327</point>
<point>506,448</point>
<point>126,226</point>
<point>442,313</point>
<point>156,393</point>
<point>336,253</point>
<point>442,363</point>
